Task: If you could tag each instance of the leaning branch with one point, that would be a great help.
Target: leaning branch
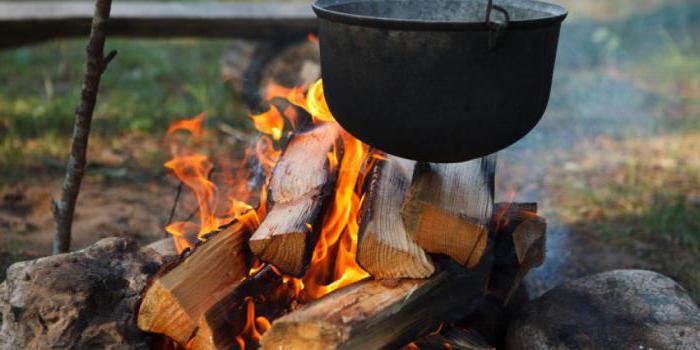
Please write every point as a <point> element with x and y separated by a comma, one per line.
<point>95,66</point>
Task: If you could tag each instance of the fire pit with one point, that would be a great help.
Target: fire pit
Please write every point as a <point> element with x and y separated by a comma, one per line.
<point>349,247</point>
<point>355,247</point>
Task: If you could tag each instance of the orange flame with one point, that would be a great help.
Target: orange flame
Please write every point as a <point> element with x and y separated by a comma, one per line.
<point>333,264</point>
<point>194,126</point>
<point>270,123</point>
<point>412,346</point>
<point>340,228</point>
<point>193,169</point>
<point>312,38</point>
<point>250,330</point>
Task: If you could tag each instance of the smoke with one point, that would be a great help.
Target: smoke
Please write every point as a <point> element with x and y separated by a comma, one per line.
<point>617,68</point>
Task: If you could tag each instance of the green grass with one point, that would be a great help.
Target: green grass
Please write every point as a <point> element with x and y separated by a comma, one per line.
<point>148,85</point>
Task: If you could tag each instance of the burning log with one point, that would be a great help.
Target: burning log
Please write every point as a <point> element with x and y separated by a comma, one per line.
<point>385,249</point>
<point>299,186</point>
<point>377,314</point>
<point>175,301</point>
<point>448,208</point>
<point>266,294</point>
<point>520,245</point>
<point>529,244</point>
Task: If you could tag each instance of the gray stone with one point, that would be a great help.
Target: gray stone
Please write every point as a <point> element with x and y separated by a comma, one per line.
<point>80,300</point>
<point>621,309</point>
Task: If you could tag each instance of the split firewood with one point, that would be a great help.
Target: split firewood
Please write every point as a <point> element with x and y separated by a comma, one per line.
<point>375,314</point>
<point>506,218</point>
<point>385,249</point>
<point>175,300</point>
<point>528,240</point>
<point>529,244</point>
<point>448,208</point>
<point>223,325</point>
<point>300,184</point>
<point>519,247</point>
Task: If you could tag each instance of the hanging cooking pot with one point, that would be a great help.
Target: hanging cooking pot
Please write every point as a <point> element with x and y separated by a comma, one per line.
<point>438,80</point>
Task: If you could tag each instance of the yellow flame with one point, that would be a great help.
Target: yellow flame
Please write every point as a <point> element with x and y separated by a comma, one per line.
<point>333,264</point>
<point>270,123</point>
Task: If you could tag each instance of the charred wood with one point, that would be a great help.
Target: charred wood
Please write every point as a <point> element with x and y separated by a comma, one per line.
<point>377,314</point>
<point>520,246</point>
<point>265,294</point>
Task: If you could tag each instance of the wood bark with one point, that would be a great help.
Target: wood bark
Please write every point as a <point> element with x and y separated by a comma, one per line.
<point>226,320</point>
<point>301,182</point>
<point>448,208</point>
<point>75,169</point>
<point>377,314</point>
<point>174,302</point>
<point>385,249</point>
<point>84,299</point>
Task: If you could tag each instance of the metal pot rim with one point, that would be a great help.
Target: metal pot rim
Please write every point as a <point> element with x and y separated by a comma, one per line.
<point>554,14</point>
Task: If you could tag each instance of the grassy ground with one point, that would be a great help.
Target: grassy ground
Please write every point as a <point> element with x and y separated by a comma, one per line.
<point>150,84</point>
<point>615,159</point>
<point>643,197</point>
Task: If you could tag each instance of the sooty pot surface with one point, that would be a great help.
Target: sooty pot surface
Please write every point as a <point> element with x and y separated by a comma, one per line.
<point>433,80</point>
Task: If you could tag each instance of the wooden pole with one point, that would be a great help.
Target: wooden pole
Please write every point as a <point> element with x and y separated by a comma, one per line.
<point>95,66</point>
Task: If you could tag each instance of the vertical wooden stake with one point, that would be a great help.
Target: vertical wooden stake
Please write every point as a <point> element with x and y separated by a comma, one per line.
<point>95,66</point>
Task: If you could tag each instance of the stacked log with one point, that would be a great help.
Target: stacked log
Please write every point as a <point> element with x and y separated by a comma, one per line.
<point>427,237</point>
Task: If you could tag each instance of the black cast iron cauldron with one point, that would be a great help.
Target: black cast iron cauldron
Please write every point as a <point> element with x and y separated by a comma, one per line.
<point>438,80</point>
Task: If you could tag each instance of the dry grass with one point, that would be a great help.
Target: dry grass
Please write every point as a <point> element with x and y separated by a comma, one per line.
<point>642,195</point>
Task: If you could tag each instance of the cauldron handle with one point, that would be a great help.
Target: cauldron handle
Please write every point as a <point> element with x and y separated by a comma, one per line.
<point>495,28</point>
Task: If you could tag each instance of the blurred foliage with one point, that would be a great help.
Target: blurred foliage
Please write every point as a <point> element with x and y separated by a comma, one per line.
<point>150,84</point>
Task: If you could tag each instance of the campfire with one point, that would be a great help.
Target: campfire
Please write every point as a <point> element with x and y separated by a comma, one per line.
<point>363,215</point>
<point>340,246</point>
